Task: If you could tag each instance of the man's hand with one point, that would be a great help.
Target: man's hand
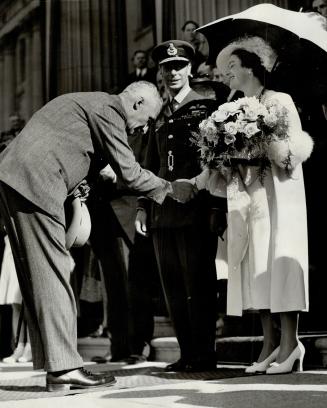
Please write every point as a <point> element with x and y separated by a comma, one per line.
<point>183,190</point>
<point>140,223</point>
<point>107,173</point>
<point>82,191</point>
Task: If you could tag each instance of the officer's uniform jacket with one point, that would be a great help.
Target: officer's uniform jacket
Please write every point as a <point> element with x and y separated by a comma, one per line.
<point>172,156</point>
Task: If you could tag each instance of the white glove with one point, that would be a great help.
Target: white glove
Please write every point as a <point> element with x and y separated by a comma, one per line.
<point>140,223</point>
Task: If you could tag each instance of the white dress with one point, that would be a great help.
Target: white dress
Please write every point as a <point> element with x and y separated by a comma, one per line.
<point>9,287</point>
<point>267,251</point>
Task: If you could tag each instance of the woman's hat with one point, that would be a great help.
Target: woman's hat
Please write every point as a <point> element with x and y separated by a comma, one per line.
<point>257,45</point>
<point>173,50</point>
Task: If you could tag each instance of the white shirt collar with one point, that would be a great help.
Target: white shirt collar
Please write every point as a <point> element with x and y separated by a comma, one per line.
<point>181,94</point>
<point>141,71</point>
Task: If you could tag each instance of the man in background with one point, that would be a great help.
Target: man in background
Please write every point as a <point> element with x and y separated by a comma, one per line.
<point>320,6</point>
<point>141,72</point>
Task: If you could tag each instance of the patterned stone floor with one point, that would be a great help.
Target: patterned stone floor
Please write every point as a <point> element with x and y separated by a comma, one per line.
<point>147,385</point>
<point>32,384</point>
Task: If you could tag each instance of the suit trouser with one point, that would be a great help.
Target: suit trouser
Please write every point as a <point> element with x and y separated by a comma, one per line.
<point>186,259</point>
<point>107,240</point>
<point>145,293</point>
<point>43,269</point>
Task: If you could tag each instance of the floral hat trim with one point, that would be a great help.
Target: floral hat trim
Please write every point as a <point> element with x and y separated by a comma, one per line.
<point>257,45</point>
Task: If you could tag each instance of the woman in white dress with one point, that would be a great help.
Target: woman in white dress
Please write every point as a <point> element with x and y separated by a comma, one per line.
<point>267,231</point>
<point>10,295</point>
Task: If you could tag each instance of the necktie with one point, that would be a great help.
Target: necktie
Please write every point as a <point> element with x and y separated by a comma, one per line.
<point>173,105</point>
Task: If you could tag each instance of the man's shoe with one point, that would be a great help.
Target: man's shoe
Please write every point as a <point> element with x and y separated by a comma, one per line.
<point>136,359</point>
<point>177,366</point>
<point>79,378</point>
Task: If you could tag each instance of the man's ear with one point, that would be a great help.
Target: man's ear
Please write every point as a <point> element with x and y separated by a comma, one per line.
<point>138,103</point>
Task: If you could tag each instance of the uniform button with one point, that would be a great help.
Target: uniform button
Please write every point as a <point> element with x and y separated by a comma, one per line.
<point>170,136</point>
<point>171,121</point>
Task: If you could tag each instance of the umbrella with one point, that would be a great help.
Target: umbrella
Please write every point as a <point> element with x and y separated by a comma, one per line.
<point>299,40</point>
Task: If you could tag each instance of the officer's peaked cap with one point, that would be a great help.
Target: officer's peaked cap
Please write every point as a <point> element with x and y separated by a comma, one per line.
<point>173,50</point>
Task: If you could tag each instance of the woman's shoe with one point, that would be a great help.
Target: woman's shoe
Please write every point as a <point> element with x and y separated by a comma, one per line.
<point>296,357</point>
<point>27,355</point>
<point>263,365</point>
<point>18,352</point>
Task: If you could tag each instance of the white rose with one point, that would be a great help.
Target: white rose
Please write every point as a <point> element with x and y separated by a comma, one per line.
<point>251,129</point>
<point>231,128</point>
<point>219,115</point>
<point>250,113</point>
<point>208,128</point>
<point>229,138</point>
<point>270,119</point>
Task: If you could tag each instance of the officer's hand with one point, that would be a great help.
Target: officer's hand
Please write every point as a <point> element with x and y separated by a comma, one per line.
<point>183,190</point>
<point>217,221</point>
<point>140,223</point>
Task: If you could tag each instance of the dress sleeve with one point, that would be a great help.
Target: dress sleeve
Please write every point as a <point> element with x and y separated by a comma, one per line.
<point>298,146</point>
<point>213,181</point>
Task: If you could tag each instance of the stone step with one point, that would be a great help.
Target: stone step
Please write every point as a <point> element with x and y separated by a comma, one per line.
<point>163,327</point>
<point>229,348</point>
<point>89,347</point>
<point>165,349</point>
<point>236,350</point>
<point>243,349</point>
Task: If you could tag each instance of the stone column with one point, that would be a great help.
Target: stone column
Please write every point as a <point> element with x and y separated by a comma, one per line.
<point>9,83</point>
<point>28,86</point>
<point>2,102</point>
<point>92,46</point>
<point>36,70</point>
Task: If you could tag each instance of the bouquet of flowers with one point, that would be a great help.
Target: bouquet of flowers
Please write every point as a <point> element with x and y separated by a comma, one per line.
<point>240,130</point>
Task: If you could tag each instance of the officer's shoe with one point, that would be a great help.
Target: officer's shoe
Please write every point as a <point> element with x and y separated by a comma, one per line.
<point>179,365</point>
<point>78,378</point>
<point>200,366</point>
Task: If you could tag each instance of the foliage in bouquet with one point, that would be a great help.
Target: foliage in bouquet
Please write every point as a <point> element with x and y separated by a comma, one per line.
<point>241,129</point>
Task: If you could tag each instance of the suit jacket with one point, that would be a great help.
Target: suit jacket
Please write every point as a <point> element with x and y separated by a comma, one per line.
<point>171,155</point>
<point>71,138</point>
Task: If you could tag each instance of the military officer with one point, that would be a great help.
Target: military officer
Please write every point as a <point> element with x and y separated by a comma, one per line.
<point>184,245</point>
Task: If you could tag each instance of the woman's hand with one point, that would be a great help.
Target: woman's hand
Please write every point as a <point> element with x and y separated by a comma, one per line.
<point>140,223</point>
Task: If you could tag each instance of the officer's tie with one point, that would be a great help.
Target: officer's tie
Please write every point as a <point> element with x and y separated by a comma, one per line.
<point>173,105</point>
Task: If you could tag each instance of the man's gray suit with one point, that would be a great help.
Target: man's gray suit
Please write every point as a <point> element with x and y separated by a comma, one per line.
<point>71,138</point>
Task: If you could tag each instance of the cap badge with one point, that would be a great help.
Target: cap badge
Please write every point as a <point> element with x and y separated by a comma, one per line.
<point>172,50</point>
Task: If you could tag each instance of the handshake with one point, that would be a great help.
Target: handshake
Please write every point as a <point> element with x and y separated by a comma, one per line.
<point>183,190</point>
